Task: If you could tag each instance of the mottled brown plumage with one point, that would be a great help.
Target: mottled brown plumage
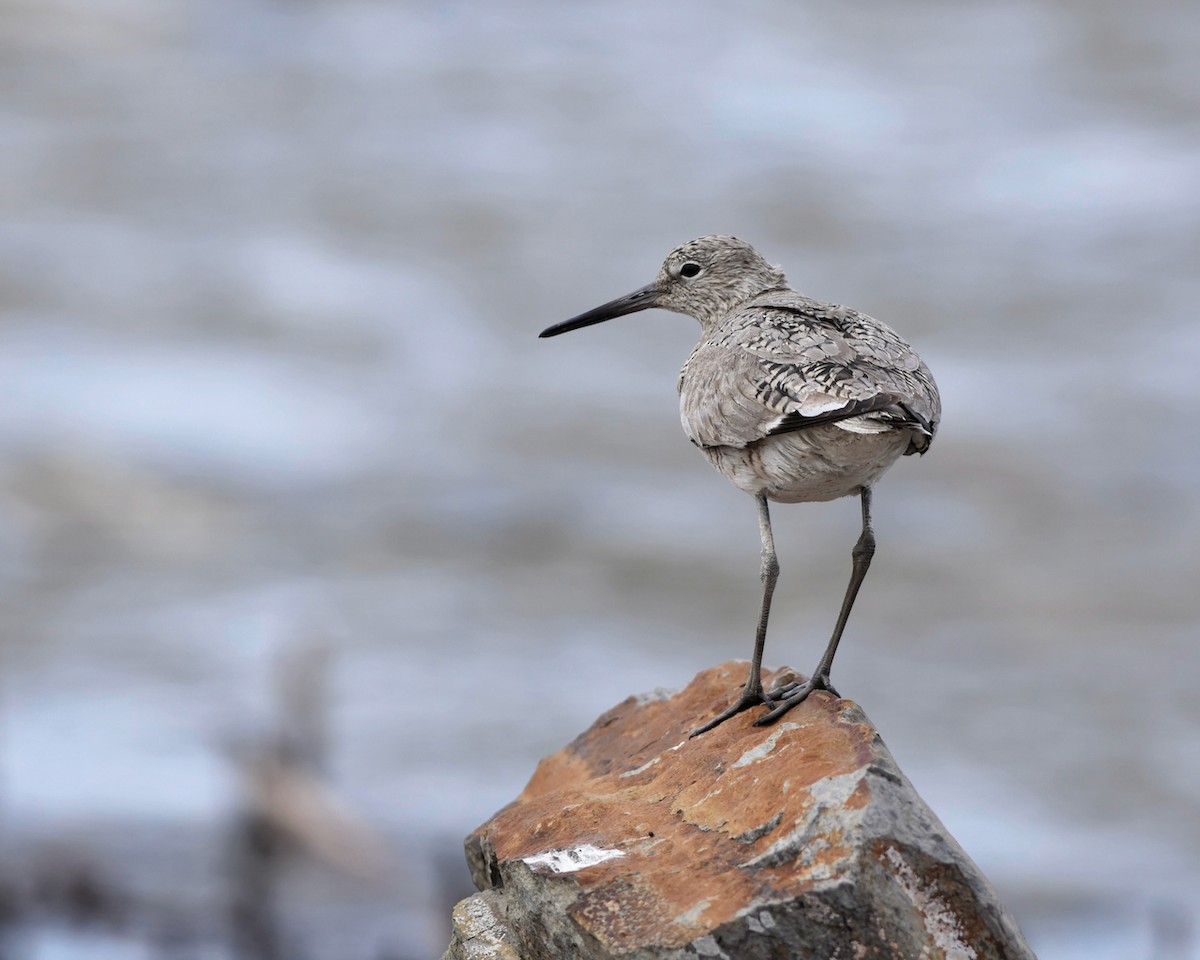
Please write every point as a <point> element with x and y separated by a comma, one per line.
<point>790,398</point>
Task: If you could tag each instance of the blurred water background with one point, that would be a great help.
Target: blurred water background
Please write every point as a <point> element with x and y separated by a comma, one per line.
<point>270,277</point>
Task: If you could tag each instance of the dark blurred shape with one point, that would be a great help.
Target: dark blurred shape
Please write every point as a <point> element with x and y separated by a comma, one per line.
<point>289,812</point>
<point>67,884</point>
<point>256,861</point>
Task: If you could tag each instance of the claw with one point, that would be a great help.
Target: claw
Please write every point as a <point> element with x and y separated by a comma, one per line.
<point>791,694</point>
<point>749,698</point>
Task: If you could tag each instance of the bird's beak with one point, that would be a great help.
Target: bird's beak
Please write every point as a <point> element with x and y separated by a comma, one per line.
<point>643,299</point>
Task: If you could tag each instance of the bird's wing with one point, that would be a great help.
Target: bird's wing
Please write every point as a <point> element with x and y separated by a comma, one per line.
<point>784,363</point>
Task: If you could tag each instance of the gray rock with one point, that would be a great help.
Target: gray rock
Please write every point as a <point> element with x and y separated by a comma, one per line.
<point>802,840</point>
<point>481,930</point>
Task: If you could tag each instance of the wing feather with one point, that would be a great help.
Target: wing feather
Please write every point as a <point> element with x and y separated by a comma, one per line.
<point>784,363</point>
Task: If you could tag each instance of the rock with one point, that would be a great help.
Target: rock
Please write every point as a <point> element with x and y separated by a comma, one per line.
<point>801,839</point>
<point>480,929</point>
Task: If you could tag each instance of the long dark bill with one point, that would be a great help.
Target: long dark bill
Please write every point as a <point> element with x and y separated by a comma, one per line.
<point>641,299</point>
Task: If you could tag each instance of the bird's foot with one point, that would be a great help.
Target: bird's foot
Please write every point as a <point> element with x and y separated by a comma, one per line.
<point>752,695</point>
<point>783,698</point>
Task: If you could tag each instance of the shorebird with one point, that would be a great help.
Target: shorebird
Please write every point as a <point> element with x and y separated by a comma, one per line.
<point>792,399</point>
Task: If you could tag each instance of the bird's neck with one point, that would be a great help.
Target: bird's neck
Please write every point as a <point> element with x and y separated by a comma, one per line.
<point>715,315</point>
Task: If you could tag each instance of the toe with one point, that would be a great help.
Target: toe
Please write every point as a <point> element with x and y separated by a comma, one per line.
<point>749,698</point>
<point>785,690</point>
<point>784,704</point>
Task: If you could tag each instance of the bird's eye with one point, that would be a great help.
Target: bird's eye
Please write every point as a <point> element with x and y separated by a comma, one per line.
<point>690,269</point>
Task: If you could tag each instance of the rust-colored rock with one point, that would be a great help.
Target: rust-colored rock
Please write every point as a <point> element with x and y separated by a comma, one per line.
<point>802,839</point>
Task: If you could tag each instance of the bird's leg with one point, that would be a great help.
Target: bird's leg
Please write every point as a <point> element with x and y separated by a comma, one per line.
<point>787,696</point>
<point>752,693</point>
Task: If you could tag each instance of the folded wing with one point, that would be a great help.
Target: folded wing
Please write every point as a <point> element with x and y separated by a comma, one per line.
<point>785,363</point>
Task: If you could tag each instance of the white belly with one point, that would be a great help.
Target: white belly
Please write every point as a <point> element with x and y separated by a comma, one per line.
<point>821,463</point>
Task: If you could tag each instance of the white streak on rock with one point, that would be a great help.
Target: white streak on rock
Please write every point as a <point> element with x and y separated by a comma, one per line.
<point>573,858</point>
<point>941,923</point>
<point>642,769</point>
<point>757,753</point>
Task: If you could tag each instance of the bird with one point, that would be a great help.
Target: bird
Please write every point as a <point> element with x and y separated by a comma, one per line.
<point>792,399</point>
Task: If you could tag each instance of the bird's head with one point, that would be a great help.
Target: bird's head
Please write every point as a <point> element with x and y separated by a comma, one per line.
<point>705,278</point>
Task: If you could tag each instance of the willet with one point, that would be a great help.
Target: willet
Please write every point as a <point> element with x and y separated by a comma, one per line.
<point>793,400</point>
